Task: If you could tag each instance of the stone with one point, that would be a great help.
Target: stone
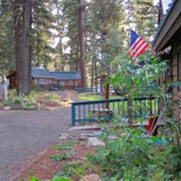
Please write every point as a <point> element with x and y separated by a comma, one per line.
<point>91,177</point>
<point>7,108</point>
<point>85,127</point>
<point>97,133</point>
<point>89,135</point>
<point>95,142</point>
<point>63,136</point>
<point>112,137</point>
<point>1,107</point>
<point>82,138</point>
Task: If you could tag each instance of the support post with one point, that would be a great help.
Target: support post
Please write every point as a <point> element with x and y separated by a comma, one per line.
<point>73,114</point>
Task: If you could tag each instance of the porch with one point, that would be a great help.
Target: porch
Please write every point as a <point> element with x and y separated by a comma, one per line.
<point>117,109</point>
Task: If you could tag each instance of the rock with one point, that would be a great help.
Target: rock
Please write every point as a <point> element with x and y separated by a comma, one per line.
<point>91,177</point>
<point>97,133</point>
<point>82,138</point>
<point>38,105</point>
<point>63,136</point>
<point>7,108</point>
<point>85,127</point>
<point>89,135</point>
<point>1,107</point>
<point>71,136</point>
<point>113,137</point>
<point>95,142</point>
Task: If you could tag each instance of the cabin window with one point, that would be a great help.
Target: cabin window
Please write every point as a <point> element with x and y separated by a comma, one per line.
<point>43,81</point>
<point>62,83</point>
<point>70,82</point>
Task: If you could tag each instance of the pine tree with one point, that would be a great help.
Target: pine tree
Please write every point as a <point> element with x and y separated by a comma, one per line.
<point>22,19</point>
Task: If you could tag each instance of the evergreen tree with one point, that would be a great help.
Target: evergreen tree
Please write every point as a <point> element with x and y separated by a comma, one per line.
<point>7,61</point>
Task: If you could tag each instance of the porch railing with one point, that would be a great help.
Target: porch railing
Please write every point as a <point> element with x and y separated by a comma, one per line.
<point>108,109</point>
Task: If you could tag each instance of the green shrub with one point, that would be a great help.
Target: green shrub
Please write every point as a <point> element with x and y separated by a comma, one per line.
<point>62,147</point>
<point>56,178</point>
<point>17,100</point>
<point>28,105</point>
<point>73,168</point>
<point>132,157</point>
<point>7,103</point>
<point>59,157</point>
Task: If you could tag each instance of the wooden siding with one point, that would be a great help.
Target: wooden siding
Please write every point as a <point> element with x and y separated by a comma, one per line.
<point>175,75</point>
<point>12,82</point>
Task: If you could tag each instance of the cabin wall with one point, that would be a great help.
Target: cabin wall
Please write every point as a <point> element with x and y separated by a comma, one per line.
<point>69,84</point>
<point>176,76</point>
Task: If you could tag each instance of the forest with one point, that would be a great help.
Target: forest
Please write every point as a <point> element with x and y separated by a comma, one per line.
<point>68,35</point>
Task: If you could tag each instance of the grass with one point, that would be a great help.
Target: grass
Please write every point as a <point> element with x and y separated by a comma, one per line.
<point>59,157</point>
<point>62,147</point>
<point>139,107</point>
<point>94,97</point>
<point>73,168</point>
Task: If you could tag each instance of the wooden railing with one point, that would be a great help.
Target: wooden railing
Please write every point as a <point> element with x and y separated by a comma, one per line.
<point>108,109</point>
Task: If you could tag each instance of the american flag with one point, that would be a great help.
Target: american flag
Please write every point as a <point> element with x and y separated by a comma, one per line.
<point>137,46</point>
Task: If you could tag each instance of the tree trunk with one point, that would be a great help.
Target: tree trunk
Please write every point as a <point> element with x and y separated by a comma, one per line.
<point>82,45</point>
<point>61,52</point>
<point>23,56</point>
<point>18,25</point>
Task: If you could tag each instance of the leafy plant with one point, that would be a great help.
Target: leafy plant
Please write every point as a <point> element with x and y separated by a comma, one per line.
<point>32,171</point>
<point>73,168</point>
<point>59,157</point>
<point>131,155</point>
<point>62,147</point>
<point>7,103</point>
<point>56,178</point>
<point>17,100</point>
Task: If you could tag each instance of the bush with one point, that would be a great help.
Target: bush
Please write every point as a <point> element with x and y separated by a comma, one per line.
<point>132,157</point>
<point>17,100</point>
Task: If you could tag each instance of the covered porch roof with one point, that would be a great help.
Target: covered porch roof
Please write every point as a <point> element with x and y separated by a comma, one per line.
<point>169,26</point>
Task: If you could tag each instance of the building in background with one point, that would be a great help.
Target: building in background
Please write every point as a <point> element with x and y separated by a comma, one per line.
<point>50,79</point>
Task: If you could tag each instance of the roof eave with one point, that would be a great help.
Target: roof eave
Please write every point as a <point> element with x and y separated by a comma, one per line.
<point>168,27</point>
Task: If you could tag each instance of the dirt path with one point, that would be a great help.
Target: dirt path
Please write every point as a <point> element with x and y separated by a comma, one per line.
<point>24,134</point>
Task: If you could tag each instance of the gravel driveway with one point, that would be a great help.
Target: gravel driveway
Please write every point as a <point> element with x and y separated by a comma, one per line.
<point>24,134</point>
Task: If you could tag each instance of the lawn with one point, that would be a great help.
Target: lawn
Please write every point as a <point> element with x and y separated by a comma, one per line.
<point>140,107</point>
<point>95,97</point>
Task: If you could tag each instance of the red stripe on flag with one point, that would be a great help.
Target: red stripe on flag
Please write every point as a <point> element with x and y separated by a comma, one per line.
<point>137,48</point>
<point>142,49</point>
<point>136,43</point>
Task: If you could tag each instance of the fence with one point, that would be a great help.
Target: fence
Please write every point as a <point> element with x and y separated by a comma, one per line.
<point>108,109</point>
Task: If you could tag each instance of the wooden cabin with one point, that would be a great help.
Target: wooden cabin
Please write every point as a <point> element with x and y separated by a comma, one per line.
<point>41,76</point>
<point>167,45</point>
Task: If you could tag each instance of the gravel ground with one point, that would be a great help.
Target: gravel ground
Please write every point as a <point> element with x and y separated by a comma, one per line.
<point>25,134</point>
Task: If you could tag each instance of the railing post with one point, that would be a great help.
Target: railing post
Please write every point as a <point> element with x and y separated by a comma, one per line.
<point>73,114</point>
<point>130,112</point>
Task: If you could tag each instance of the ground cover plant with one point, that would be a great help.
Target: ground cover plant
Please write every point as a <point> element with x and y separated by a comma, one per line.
<point>94,97</point>
<point>36,100</point>
<point>59,163</point>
